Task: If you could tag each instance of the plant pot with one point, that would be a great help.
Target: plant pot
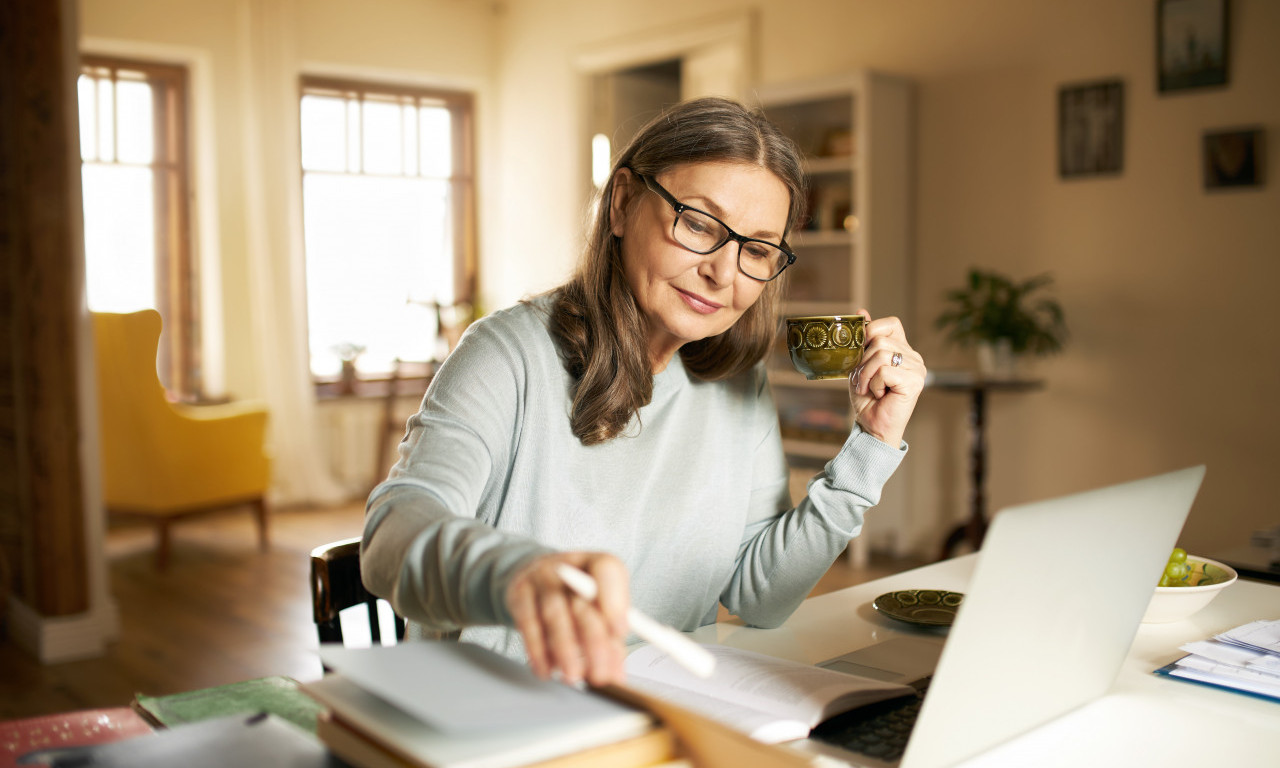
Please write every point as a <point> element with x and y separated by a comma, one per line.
<point>347,381</point>
<point>996,359</point>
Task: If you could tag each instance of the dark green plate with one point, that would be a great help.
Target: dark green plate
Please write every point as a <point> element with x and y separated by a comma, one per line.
<point>929,607</point>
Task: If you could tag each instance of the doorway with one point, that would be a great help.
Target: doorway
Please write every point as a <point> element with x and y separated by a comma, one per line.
<point>621,102</point>
<point>626,83</point>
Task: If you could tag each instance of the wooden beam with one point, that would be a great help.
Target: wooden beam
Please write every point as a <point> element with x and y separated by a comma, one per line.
<point>42,525</point>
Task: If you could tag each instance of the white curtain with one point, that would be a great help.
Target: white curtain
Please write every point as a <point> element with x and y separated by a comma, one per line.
<point>272,196</point>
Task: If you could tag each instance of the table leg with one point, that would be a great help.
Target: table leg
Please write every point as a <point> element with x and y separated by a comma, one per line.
<point>975,528</point>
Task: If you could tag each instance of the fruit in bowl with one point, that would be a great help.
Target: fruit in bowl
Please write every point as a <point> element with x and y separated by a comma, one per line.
<point>1189,583</point>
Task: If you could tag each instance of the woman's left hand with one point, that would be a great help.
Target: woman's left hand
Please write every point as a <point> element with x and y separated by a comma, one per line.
<point>887,383</point>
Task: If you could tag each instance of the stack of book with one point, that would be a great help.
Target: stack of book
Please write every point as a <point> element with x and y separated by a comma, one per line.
<point>1245,659</point>
<point>455,705</point>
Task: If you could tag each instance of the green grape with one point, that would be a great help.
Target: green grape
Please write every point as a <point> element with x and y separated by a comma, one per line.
<point>1176,572</point>
<point>1176,569</point>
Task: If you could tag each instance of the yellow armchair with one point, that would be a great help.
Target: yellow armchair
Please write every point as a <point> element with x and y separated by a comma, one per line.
<point>163,461</point>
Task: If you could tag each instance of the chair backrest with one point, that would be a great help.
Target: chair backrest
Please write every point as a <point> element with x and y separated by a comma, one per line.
<point>158,456</point>
<point>336,585</point>
<point>132,403</point>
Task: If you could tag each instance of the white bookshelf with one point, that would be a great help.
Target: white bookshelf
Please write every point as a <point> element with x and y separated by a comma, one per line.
<point>856,131</point>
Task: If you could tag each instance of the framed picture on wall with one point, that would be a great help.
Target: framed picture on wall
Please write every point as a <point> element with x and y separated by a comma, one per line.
<point>1191,44</point>
<point>1234,158</point>
<point>1091,129</point>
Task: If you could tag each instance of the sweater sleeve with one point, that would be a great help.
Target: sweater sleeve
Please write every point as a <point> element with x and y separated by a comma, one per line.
<point>423,548</point>
<point>785,551</point>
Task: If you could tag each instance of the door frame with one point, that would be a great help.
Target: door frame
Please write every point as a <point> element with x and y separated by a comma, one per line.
<point>732,33</point>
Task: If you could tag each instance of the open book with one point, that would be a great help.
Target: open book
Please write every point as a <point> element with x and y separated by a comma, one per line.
<point>771,699</point>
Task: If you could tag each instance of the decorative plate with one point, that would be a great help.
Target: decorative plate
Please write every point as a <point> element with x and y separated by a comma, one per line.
<point>930,607</point>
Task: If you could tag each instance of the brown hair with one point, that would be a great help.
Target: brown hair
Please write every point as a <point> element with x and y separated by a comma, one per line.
<point>601,331</point>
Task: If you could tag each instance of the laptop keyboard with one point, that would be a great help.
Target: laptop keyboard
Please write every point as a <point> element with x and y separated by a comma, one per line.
<point>877,730</point>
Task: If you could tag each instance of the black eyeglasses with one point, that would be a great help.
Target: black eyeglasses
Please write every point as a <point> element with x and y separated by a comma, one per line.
<point>700,232</point>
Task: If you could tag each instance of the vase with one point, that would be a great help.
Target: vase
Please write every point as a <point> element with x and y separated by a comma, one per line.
<point>347,380</point>
<point>996,359</point>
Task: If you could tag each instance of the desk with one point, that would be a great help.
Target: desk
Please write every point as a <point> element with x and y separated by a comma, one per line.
<point>1144,720</point>
<point>975,528</point>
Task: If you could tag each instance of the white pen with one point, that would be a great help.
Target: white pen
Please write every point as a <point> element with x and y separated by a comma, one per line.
<point>683,651</point>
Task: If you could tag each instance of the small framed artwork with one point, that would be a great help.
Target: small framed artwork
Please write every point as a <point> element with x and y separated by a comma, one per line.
<point>1234,158</point>
<point>1091,129</point>
<point>1191,44</point>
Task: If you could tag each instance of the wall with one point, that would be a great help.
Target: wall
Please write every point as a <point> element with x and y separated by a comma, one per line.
<point>1164,285</point>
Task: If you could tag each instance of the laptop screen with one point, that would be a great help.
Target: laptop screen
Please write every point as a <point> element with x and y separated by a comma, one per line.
<point>1057,595</point>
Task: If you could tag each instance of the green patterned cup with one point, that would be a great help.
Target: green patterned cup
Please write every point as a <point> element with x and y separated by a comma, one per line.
<point>826,346</point>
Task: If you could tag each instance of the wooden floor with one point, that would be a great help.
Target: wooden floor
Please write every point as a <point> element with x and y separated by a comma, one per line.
<point>224,611</point>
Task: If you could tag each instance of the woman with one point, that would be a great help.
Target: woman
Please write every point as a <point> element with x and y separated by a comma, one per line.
<point>623,424</point>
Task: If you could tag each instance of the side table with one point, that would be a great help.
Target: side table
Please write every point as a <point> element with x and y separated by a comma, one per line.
<point>974,529</point>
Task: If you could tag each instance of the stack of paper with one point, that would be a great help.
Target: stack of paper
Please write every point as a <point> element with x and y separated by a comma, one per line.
<point>454,705</point>
<point>1245,659</point>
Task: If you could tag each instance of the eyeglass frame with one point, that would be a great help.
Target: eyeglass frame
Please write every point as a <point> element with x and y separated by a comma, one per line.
<point>680,208</point>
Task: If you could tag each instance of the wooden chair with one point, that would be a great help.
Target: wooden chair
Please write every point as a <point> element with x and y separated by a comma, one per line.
<point>336,585</point>
<point>163,461</point>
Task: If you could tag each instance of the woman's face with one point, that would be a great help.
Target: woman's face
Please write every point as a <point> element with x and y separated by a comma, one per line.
<point>687,296</point>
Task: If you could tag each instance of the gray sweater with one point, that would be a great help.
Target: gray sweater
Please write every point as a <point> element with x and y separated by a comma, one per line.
<point>693,498</point>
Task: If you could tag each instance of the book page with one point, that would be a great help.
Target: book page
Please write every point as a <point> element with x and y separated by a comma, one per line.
<point>777,688</point>
<point>761,726</point>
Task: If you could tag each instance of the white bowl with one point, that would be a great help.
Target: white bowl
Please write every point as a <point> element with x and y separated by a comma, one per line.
<point>1177,603</point>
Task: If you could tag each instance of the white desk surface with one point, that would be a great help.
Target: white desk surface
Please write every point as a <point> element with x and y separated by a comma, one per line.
<point>1144,720</point>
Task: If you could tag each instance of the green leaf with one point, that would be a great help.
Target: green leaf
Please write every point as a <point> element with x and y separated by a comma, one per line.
<point>992,306</point>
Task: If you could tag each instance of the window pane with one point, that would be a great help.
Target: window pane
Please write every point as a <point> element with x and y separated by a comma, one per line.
<point>119,237</point>
<point>88,118</point>
<point>410,134</point>
<point>601,159</point>
<point>382,137</point>
<point>323,134</point>
<point>135,122</point>
<point>372,244</point>
<point>106,120</point>
<point>354,155</point>
<point>437,142</point>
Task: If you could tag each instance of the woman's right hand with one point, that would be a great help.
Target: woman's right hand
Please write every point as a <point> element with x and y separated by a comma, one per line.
<point>580,639</point>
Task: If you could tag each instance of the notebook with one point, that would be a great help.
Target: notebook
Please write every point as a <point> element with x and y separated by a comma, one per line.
<point>1056,598</point>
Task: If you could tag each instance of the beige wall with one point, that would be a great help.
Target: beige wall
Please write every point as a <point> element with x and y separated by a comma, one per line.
<point>1163,283</point>
<point>1165,286</point>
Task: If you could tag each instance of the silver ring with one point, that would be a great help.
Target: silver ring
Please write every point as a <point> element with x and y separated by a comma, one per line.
<point>896,360</point>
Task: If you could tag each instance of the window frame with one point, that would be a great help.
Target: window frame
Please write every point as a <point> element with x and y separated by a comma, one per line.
<point>461,105</point>
<point>177,278</point>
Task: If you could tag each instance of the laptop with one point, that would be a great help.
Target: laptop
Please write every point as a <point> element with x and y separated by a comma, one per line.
<point>1057,594</point>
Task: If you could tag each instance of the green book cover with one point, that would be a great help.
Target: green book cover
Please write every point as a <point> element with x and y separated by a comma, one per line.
<point>277,695</point>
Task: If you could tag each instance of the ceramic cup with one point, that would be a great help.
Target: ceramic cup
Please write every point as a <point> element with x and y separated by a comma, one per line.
<point>826,346</point>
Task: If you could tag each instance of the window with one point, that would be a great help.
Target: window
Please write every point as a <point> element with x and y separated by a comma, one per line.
<point>387,221</point>
<point>135,177</point>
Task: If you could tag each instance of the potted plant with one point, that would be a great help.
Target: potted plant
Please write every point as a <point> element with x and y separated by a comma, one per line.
<point>347,352</point>
<point>1004,319</point>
